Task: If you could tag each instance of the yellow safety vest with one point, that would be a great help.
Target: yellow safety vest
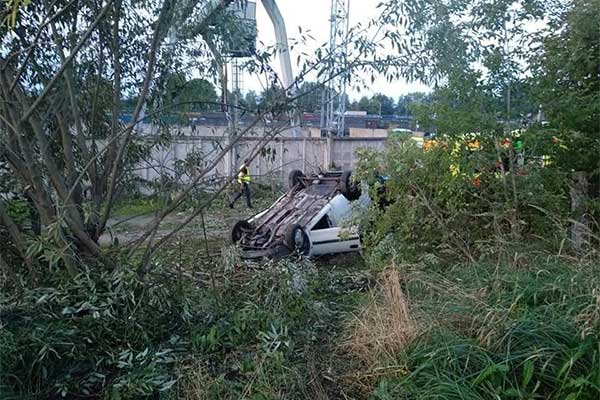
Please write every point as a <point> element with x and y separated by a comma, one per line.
<point>546,160</point>
<point>243,175</point>
<point>454,169</point>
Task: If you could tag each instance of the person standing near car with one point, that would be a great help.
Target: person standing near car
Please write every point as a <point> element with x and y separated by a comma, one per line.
<point>243,179</point>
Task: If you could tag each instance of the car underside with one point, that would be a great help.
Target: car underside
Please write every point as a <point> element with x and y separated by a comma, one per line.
<point>306,219</point>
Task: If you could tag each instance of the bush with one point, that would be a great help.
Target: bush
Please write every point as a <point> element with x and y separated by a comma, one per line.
<point>255,342</point>
<point>100,334</point>
<point>259,332</point>
<point>455,203</point>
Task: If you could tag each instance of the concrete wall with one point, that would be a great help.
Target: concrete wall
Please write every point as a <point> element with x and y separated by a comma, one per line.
<point>275,162</point>
<point>260,130</point>
<point>343,151</point>
<point>355,132</point>
<point>367,132</point>
<point>201,130</point>
<point>314,132</point>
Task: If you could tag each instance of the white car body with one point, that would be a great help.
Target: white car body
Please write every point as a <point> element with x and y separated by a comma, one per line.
<point>327,220</point>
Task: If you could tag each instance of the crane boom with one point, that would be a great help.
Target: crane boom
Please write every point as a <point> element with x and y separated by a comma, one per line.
<point>281,39</point>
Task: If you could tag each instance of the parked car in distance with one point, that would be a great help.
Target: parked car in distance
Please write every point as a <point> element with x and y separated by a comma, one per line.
<point>312,218</point>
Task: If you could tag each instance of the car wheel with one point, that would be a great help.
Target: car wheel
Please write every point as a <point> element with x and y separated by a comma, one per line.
<point>348,188</point>
<point>238,230</point>
<point>295,178</point>
<point>296,239</point>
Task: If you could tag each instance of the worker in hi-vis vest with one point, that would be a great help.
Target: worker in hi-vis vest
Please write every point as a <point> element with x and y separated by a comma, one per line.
<point>243,179</point>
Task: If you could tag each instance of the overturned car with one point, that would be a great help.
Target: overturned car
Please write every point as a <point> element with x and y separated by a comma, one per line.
<point>312,218</point>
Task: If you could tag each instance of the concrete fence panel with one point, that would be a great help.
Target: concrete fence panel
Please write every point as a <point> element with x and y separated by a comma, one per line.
<point>275,161</point>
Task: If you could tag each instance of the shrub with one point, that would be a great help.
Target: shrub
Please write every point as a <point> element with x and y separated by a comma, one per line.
<point>456,203</point>
<point>255,341</point>
<point>103,333</point>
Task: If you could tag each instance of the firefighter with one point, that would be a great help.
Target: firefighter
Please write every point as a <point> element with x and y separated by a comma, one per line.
<point>243,179</point>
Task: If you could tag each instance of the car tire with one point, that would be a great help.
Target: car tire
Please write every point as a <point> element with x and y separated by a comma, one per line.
<point>348,188</point>
<point>295,178</point>
<point>238,229</point>
<point>296,239</point>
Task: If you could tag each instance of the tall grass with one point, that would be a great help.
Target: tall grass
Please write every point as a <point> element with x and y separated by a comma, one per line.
<point>500,332</point>
<point>384,325</point>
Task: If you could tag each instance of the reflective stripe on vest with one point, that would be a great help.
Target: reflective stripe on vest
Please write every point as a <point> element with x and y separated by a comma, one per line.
<point>546,160</point>
<point>243,175</point>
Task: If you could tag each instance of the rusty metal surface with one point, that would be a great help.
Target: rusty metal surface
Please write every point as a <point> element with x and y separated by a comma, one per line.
<point>298,206</point>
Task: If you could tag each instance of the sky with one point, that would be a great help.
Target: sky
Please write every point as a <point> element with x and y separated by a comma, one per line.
<point>313,16</point>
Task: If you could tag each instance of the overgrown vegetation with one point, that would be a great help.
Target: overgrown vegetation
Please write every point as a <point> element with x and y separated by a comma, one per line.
<point>481,273</point>
<point>202,330</point>
<point>495,300</point>
<point>527,329</point>
<point>456,202</point>
<point>481,225</point>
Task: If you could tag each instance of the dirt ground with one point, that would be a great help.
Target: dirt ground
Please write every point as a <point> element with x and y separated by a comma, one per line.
<point>127,228</point>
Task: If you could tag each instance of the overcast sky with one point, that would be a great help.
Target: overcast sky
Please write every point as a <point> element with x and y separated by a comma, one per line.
<point>313,16</point>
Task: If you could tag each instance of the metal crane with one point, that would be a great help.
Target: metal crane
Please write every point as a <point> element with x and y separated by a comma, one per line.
<point>287,76</point>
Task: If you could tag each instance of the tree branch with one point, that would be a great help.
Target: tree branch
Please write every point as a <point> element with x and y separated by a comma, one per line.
<point>67,141</point>
<point>116,101</point>
<point>67,147</point>
<point>13,230</point>
<point>38,101</point>
<point>256,151</point>
<point>114,176</point>
<point>58,14</point>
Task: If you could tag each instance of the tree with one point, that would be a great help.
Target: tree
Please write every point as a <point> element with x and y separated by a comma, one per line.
<point>476,55</point>
<point>383,104</point>
<point>310,97</point>
<point>567,69</point>
<point>66,70</point>
<point>271,96</point>
<point>378,104</point>
<point>365,104</point>
<point>461,106</point>
<point>251,101</point>
<point>195,95</point>
<point>407,102</point>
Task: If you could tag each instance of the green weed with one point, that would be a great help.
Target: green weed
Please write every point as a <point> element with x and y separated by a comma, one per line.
<point>495,331</point>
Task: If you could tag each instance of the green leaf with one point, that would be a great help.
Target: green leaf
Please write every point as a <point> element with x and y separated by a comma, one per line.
<point>167,385</point>
<point>528,369</point>
<point>487,372</point>
<point>513,392</point>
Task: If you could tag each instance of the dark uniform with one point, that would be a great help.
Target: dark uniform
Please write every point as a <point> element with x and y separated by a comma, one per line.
<point>243,178</point>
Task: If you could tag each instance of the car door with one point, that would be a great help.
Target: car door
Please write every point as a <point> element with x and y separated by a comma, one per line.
<point>330,233</point>
<point>333,240</point>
